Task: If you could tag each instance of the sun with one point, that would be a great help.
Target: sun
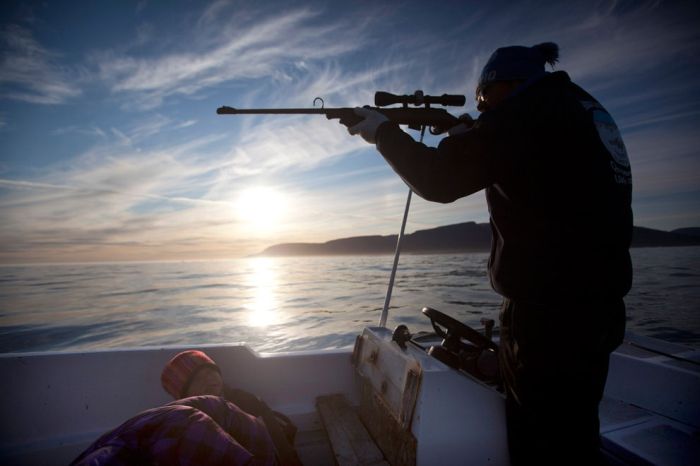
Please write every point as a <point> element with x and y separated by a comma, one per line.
<point>261,208</point>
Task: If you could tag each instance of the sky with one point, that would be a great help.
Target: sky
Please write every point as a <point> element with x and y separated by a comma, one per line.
<point>111,149</point>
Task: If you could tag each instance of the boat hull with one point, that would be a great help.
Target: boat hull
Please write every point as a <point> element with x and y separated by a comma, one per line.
<point>53,405</point>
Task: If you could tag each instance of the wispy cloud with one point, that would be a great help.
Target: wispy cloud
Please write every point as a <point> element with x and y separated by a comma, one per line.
<point>241,49</point>
<point>30,72</point>
<point>74,129</point>
<point>137,131</point>
<point>114,195</point>
<point>299,144</point>
<point>86,192</point>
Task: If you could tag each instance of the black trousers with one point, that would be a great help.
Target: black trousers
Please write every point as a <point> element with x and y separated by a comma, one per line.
<point>554,364</point>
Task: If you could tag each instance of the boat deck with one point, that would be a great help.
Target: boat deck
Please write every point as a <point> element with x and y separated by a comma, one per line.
<point>335,434</point>
<point>314,448</point>
<point>626,429</point>
<point>657,423</point>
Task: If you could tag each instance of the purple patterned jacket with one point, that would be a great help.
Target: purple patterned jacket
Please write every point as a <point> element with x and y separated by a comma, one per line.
<point>201,430</point>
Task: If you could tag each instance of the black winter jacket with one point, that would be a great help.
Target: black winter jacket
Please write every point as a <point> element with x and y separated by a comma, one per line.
<point>558,187</point>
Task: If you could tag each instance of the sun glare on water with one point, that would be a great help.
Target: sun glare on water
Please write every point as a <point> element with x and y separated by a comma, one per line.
<point>262,306</point>
<point>261,209</point>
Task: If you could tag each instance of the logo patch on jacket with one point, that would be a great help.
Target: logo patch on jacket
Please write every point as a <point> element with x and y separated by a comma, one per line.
<point>612,140</point>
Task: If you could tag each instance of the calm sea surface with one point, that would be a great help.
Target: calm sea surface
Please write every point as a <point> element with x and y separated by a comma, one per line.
<point>283,304</point>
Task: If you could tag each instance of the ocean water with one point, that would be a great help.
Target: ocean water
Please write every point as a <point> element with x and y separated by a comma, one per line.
<point>288,304</point>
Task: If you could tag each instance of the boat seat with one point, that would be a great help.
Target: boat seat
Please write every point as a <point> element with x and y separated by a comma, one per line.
<point>351,442</point>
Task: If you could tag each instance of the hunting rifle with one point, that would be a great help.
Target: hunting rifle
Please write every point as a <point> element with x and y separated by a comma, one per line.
<point>437,120</point>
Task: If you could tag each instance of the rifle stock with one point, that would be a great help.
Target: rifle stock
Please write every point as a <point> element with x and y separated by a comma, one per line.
<point>438,120</point>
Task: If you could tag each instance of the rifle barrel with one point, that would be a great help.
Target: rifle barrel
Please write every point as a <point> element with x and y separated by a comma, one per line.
<point>438,120</point>
<point>261,111</point>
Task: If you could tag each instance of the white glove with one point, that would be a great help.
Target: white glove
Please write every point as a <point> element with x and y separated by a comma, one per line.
<point>367,128</point>
<point>460,128</point>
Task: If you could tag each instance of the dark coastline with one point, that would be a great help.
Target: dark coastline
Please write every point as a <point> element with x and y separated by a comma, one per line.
<point>457,238</point>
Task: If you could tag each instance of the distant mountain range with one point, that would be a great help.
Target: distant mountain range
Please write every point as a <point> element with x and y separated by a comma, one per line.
<point>461,237</point>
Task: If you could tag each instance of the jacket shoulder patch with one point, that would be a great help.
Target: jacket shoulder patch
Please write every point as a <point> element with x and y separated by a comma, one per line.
<point>612,140</point>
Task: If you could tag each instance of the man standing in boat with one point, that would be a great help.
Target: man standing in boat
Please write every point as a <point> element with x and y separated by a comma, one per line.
<point>558,186</point>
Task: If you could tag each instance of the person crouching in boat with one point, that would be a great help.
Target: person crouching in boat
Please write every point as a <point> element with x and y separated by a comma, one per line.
<point>206,430</point>
<point>193,373</point>
<point>558,186</point>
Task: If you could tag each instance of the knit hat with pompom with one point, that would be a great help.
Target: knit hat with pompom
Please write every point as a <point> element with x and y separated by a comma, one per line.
<point>181,369</point>
<point>518,63</point>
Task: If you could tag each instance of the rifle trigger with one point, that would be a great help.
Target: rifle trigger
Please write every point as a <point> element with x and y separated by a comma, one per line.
<point>322,102</point>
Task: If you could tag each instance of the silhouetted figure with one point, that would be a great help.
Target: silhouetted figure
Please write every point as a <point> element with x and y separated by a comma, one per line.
<point>558,186</point>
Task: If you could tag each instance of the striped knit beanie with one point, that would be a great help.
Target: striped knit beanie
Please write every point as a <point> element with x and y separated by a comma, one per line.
<point>180,370</point>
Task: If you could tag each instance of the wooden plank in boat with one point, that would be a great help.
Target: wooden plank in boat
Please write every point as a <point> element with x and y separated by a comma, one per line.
<point>396,442</point>
<point>352,444</point>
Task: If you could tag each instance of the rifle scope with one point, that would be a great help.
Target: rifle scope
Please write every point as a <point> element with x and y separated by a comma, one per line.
<point>382,99</point>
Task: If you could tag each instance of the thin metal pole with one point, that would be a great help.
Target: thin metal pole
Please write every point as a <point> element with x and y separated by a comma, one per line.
<point>397,253</point>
